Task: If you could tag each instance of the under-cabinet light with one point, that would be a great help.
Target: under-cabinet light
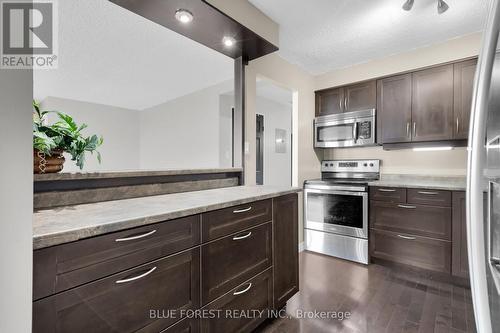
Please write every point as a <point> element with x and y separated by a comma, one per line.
<point>432,148</point>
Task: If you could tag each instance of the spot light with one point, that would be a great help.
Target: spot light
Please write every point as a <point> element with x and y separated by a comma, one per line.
<point>183,16</point>
<point>228,41</point>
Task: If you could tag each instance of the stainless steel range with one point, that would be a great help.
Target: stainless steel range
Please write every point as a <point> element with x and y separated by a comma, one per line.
<point>336,209</point>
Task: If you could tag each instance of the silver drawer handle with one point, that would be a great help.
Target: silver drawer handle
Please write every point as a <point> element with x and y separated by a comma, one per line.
<point>407,207</point>
<point>242,237</point>
<point>135,237</point>
<point>242,210</point>
<point>243,291</point>
<point>428,193</point>
<point>386,190</point>
<point>137,277</point>
<point>406,237</point>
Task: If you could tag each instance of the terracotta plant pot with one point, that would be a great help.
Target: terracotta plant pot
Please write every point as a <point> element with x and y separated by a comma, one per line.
<point>48,163</point>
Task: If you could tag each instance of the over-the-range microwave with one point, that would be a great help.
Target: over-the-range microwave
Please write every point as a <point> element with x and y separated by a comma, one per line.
<point>348,129</point>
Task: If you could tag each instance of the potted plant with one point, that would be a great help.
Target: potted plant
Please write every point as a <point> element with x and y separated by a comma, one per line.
<point>51,141</point>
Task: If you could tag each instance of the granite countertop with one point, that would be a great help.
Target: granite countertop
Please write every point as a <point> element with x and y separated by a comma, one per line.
<point>71,223</point>
<point>451,183</point>
<point>127,173</point>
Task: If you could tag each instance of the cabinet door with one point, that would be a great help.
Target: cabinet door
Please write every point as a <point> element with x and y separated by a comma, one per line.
<point>329,101</point>
<point>463,85</point>
<point>394,109</point>
<point>361,96</point>
<point>432,104</point>
<point>286,247</point>
<point>137,299</point>
<point>460,265</point>
<point>254,297</point>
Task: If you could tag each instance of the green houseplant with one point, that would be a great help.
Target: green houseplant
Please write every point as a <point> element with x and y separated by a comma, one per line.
<point>64,135</point>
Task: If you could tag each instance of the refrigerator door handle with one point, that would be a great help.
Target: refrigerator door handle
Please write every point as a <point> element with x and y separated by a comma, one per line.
<point>475,164</point>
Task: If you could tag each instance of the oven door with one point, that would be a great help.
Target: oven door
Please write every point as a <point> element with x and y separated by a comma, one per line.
<point>338,212</point>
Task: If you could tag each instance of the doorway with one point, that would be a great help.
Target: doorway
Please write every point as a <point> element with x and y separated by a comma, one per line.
<point>274,133</point>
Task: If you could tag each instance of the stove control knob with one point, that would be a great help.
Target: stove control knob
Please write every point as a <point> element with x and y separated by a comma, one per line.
<point>331,164</point>
<point>371,164</point>
<point>365,164</point>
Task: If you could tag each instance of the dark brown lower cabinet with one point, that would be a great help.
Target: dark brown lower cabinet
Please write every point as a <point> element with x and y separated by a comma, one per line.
<point>460,265</point>
<point>286,243</point>
<point>243,308</point>
<point>122,302</point>
<point>422,252</point>
<point>186,325</point>
<point>229,261</point>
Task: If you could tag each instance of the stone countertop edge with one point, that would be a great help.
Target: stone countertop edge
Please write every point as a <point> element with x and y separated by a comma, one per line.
<point>127,173</point>
<point>67,235</point>
<point>440,183</point>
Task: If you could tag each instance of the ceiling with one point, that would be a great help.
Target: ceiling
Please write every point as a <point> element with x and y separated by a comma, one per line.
<point>323,35</point>
<point>111,56</point>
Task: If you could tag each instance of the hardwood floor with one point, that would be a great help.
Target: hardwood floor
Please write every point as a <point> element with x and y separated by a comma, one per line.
<point>380,299</point>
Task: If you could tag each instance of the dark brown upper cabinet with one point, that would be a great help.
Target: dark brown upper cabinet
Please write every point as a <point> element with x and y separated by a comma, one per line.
<point>330,101</point>
<point>394,109</point>
<point>432,104</point>
<point>360,96</point>
<point>463,85</point>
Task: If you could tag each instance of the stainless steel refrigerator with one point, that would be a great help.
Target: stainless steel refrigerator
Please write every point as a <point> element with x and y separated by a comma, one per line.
<point>483,181</point>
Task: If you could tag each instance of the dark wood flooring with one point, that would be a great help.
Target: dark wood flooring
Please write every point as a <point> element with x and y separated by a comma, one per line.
<point>380,299</point>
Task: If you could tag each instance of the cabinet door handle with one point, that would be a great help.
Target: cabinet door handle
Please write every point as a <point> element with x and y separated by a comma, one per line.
<point>137,277</point>
<point>345,103</point>
<point>458,127</point>
<point>243,237</point>
<point>414,129</point>
<point>386,190</point>
<point>237,211</point>
<point>243,291</point>
<point>407,237</point>
<point>126,239</point>
<point>407,206</point>
<point>428,193</point>
<point>408,129</point>
<point>340,104</point>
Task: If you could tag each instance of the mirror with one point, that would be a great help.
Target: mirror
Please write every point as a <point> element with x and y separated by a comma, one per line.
<point>158,99</point>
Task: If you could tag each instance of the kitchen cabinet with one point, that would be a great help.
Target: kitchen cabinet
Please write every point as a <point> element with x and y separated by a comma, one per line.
<point>411,227</point>
<point>460,265</point>
<point>394,109</point>
<point>242,257</point>
<point>464,73</point>
<point>432,104</point>
<point>355,97</point>
<point>330,101</point>
<point>286,240</point>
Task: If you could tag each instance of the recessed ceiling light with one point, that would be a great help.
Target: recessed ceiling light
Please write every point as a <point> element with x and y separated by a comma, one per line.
<point>228,41</point>
<point>408,5</point>
<point>183,16</point>
<point>432,148</point>
<point>442,6</point>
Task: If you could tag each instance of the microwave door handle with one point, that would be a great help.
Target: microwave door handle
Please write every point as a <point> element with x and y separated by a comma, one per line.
<point>355,131</point>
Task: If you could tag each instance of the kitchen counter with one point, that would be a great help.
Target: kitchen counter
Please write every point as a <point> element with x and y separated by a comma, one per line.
<point>67,224</point>
<point>451,183</point>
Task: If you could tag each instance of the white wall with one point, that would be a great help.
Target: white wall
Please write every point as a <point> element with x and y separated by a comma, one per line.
<point>118,126</point>
<point>16,200</point>
<point>226,105</point>
<point>183,133</point>
<point>277,166</point>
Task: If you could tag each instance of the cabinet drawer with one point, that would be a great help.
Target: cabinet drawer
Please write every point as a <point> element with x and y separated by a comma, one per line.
<point>186,325</point>
<point>429,197</point>
<point>420,220</point>
<point>255,294</point>
<point>226,221</point>
<point>411,250</point>
<point>122,302</point>
<point>390,194</point>
<point>234,259</point>
<point>69,265</point>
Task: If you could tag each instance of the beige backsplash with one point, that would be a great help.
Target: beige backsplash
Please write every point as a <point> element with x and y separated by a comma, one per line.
<point>407,161</point>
